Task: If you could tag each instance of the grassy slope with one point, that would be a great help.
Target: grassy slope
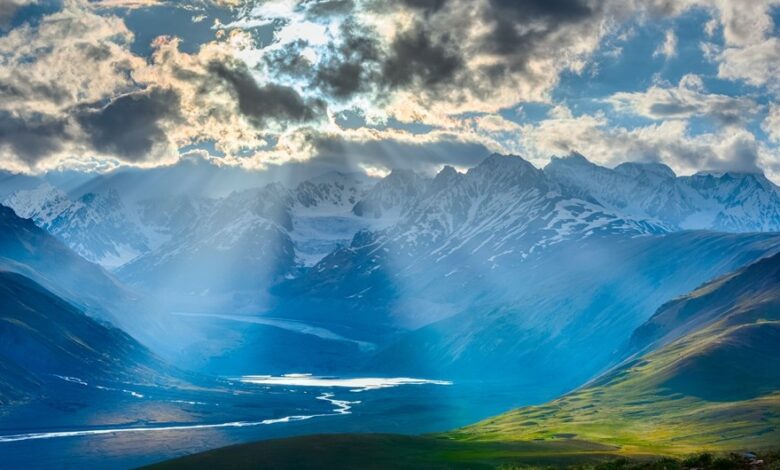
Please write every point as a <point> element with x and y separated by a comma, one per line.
<point>714,384</point>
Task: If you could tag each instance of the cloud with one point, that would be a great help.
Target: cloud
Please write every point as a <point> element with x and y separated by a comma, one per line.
<point>688,99</point>
<point>669,142</point>
<point>132,125</point>
<point>416,59</point>
<point>771,124</point>
<point>70,56</point>
<point>425,156</point>
<point>267,89</point>
<point>430,58</point>
<point>8,9</point>
<point>751,50</point>
<point>268,102</point>
<point>668,48</point>
<point>129,4</point>
<point>30,139</point>
<point>757,64</point>
<point>349,67</point>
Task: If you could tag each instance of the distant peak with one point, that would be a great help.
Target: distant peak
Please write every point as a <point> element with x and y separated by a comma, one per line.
<point>731,174</point>
<point>402,173</point>
<point>447,176</point>
<point>447,172</point>
<point>506,171</point>
<point>575,157</point>
<point>636,168</point>
<point>497,160</point>
<point>573,160</point>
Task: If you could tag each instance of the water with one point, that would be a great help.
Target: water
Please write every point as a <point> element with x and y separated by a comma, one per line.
<point>122,426</point>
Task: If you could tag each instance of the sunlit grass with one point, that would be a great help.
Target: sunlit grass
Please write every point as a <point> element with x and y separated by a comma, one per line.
<point>630,408</point>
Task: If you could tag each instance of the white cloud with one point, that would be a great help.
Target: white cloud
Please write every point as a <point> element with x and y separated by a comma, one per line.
<point>669,142</point>
<point>757,64</point>
<point>688,99</point>
<point>668,48</point>
<point>771,124</point>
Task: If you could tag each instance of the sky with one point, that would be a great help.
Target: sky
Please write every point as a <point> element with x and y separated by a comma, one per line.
<point>373,85</point>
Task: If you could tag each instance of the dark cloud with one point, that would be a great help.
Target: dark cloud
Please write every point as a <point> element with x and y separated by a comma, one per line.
<point>425,5</point>
<point>129,126</point>
<point>32,138</point>
<point>672,109</point>
<point>271,102</point>
<point>433,53</point>
<point>424,157</point>
<point>290,62</point>
<point>328,7</point>
<point>344,69</point>
<point>352,66</point>
<point>417,58</point>
<point>521,29</point>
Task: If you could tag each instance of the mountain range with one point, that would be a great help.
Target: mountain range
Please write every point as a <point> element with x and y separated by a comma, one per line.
<point>112,230</point>
<point>502,267</point>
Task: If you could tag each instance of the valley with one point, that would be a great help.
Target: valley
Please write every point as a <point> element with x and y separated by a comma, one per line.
<point>407,305</point>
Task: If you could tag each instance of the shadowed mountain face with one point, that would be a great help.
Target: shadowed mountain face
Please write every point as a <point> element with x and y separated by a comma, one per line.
<point>707,377</point>
<point>34,253</point>
<point>42,336</point>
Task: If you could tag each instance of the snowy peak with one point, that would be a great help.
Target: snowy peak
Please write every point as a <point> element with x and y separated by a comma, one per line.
<point>730,183</point>
<point>505,171</point>
<point>637,170</point>
<point>499,212</point>
<point>392,196</point>
<point>446,178</point>
<point>96,226</point>
<point>271,202</point>
<point>332,191</point>
<point>731,202</point>
<point>42,204</point>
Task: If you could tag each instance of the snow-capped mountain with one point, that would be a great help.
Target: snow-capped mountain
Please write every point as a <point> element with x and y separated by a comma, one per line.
<point>96,226</point>
<point>343,232</point>
<point>332,192</point>
<point>730,202</point>
<point>498,213</point>
<point>322,214</point>
<point>392,196</point>
<point>251,238</point>
<point>238,243</point>
<point>736,202</point>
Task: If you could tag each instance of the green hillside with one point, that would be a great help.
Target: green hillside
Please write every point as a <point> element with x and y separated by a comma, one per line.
<point>711,382</point>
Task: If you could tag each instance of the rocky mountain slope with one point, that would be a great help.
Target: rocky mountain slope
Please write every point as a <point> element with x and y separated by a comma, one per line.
<point>728,202</point>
